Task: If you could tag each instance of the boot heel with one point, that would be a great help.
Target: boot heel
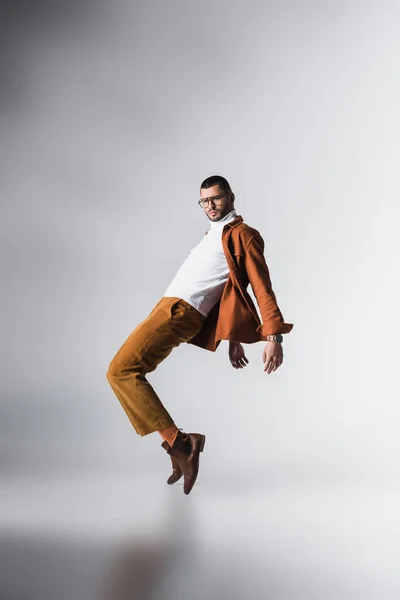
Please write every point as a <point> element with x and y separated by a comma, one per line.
<point>202,442</point>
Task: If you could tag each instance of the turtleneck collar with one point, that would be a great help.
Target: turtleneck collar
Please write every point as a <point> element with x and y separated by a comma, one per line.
<point>222,222</point>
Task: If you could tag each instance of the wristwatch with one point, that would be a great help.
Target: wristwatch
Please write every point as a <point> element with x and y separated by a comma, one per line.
<point>276,337</point>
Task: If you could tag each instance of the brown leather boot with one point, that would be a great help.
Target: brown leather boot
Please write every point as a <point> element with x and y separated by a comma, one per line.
<point>176,471</point>
<point>186,451</point>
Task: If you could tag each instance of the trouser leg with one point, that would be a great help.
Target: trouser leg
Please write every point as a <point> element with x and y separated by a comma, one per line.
<point>171,322</point>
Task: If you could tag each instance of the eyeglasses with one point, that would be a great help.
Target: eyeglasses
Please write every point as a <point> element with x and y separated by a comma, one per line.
<point>204,202</point>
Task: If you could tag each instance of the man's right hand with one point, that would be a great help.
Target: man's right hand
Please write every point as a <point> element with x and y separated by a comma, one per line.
<point>237,355</point>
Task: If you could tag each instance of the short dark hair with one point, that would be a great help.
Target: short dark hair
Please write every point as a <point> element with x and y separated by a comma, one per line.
<point>216,180</point>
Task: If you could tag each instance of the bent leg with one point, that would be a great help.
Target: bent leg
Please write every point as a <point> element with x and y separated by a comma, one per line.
<point>171,322</point>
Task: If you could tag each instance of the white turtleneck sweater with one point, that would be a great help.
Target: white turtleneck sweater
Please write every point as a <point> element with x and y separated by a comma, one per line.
<point>201,278</point>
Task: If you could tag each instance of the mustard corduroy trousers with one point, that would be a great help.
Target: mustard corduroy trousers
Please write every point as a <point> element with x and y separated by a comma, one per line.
<point>171,322</point>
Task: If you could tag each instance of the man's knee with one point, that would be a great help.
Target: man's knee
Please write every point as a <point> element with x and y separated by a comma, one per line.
<point>114,370</point>
<point>120,366</point>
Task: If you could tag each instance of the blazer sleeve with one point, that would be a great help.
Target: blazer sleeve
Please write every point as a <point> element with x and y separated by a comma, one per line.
<point>260,281</point>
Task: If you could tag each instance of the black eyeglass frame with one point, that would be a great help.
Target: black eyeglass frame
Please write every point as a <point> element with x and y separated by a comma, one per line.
<point>214,198</point>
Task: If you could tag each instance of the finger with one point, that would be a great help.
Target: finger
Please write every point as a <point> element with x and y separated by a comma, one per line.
<point>271,366</point>
<point>268,366</point>
<point>276,365</point>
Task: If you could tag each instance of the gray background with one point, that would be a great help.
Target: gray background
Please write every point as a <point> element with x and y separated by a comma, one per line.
<point>111,115</point>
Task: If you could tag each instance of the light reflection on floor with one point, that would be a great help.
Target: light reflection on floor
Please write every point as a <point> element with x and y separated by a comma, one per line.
<point>103,537</point>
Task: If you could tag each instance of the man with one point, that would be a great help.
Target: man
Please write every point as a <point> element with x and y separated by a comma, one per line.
<point>206,302</point>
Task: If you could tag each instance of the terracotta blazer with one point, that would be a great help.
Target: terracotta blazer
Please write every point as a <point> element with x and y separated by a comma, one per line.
<point>235,317</point>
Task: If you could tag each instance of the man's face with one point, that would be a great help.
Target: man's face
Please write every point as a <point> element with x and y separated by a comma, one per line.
<point>217,208</point>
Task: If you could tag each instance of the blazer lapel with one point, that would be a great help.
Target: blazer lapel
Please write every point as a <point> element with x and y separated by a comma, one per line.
<point>234,273</point>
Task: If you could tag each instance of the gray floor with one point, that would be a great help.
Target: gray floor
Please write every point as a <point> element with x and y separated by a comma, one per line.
<point>238,535</point>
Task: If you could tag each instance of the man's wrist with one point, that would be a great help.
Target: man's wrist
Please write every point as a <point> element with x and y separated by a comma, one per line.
<point>276,337</point>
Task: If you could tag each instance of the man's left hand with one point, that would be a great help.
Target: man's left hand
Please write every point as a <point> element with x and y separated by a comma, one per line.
<point>272,356</point>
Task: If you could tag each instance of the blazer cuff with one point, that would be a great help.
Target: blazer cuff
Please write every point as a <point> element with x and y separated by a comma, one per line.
<point>274,327</point>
